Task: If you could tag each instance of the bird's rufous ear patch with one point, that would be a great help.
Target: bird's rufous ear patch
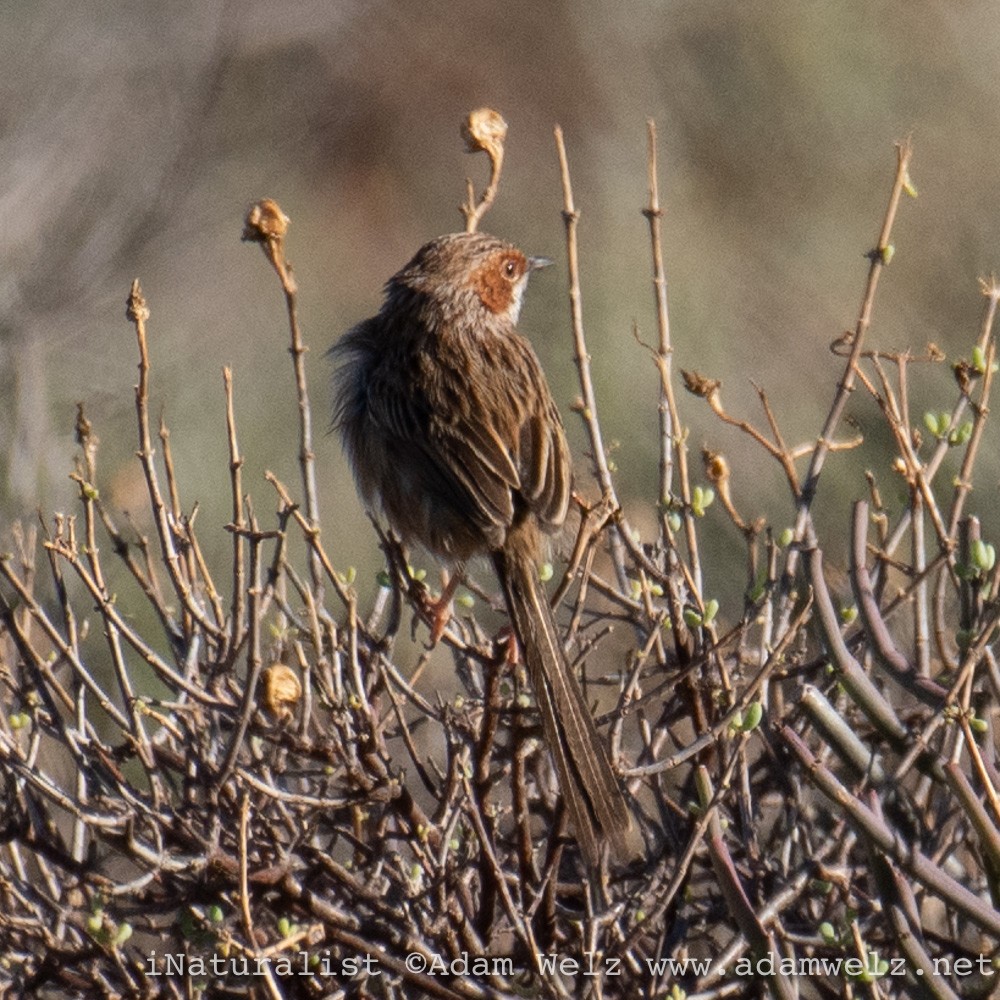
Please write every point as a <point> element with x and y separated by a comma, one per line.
<point>496,279</point>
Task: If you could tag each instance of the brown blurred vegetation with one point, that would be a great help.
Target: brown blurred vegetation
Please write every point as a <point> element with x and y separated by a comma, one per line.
<point>134,135</point>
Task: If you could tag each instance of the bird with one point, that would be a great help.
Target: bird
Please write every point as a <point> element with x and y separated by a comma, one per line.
<point>453,435</point>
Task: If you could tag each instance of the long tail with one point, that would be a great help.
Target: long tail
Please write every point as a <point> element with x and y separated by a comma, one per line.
<point>597,807</point>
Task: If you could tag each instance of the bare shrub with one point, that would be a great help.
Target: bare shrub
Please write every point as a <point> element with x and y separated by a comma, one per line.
<point>224,788</point>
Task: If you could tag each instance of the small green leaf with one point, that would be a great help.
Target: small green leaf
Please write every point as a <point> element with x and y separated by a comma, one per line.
<point>754,713</point>
<point>786,538</point>
<point>983,555</point>
<point>188,925</point>
<point>383,579</point>
<point>932,423</point>
<point>545,572</point>
<point>827,932</point>
<point>759,586</point>
<point>711,610</point>
<point>692,618</point>
<point>674,521</point>
<point>961,434</point>
<point>701,499</point>
<point>849,614</point>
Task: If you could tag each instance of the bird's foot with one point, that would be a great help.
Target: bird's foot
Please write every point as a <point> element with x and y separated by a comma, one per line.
<point>508,646</point>
<point>438,610</point>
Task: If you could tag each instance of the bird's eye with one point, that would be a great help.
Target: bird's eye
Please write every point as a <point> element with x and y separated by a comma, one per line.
<point>510,268</point>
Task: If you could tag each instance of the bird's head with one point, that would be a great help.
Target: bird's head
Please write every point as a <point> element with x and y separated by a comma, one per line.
<point>471,271</point>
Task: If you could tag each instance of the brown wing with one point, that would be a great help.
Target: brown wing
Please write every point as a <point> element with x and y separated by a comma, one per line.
<point>506,436</point>
<point>479,433</point>
<point>520,443</point>
<point>546,472</point>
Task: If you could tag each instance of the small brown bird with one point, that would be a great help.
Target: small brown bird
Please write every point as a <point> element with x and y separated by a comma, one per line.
<point>452,433</point>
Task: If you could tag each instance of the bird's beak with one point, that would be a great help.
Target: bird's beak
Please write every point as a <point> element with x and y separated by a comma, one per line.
<point>534,263</point>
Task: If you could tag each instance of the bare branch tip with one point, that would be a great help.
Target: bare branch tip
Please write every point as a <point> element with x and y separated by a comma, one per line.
<point>904,150</point>
<point>135,307</point>
<point>990,287</point>
<point>484,130</point>
<point>83,426</point>
<point>700,385</point>
<point>265,221</point>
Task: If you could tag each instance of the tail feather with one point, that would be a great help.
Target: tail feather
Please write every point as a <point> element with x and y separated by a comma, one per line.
<point>596,804</point>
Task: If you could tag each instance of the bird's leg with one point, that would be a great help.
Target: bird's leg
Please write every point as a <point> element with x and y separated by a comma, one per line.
<point>438,610</point>
<point>506,642</point>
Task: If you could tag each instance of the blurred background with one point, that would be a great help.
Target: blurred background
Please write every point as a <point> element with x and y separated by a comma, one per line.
<point>133,136</point>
